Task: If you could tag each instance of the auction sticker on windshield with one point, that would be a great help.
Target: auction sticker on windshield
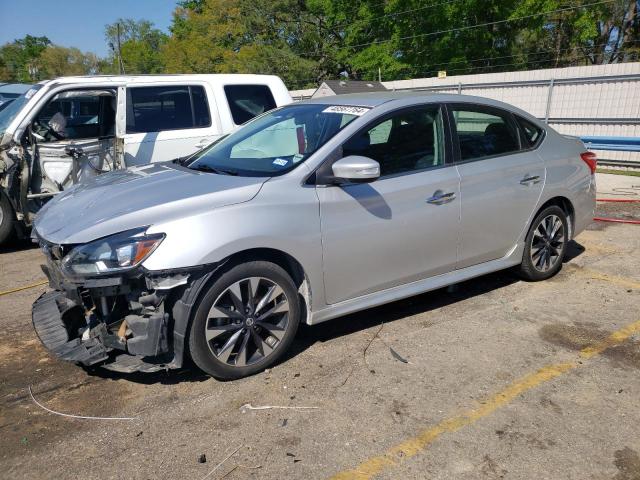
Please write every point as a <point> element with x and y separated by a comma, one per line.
<point>345,109</point>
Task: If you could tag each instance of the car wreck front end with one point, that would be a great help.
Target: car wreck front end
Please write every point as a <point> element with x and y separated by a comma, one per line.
<point>92,317</point>
<point>105,306</point>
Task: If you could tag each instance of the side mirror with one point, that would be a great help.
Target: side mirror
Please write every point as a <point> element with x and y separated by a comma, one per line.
<point>356,169</point>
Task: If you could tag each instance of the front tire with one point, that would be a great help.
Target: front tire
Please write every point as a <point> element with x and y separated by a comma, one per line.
<point>245,322</point>
<point>545,245</point>
<point>6,219</point>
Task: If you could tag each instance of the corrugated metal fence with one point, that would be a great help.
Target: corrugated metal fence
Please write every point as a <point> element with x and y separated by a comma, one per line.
<point>591,101</point>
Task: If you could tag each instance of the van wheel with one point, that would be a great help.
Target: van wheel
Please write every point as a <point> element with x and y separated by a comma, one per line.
<point>245,321</point>
<point>545,245</point>
<point>6,219</point>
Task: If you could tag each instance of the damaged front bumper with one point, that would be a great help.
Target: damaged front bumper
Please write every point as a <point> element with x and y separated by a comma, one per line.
<point>126,323</point>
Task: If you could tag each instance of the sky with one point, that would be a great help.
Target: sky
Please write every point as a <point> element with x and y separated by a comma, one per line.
<point>77,23</point>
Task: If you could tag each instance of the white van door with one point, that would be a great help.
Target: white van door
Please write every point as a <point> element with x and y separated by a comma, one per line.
<point>160,121</point>
<point>67,162</point>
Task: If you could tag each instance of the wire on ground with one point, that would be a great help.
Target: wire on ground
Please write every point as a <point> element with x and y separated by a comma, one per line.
<point>25,287</point>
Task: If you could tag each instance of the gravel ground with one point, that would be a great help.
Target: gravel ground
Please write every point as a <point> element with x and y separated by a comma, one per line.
<point>501,382</point>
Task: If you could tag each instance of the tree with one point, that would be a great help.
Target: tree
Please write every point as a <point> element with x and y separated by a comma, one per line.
<point>140,46</point>
<point>586,32</point>
<point>56,61</point>
<point>20,58</point>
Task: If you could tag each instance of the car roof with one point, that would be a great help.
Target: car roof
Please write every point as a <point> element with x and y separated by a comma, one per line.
<point>406,97</point>
<point>119,79</point>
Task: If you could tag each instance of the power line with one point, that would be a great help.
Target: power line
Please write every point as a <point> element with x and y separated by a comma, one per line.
<point>470,27</point>
<point>396,14</point>
<point>525,63</point>
<point>523,54</point>
<point>577,56</point>
<point>487,24</point>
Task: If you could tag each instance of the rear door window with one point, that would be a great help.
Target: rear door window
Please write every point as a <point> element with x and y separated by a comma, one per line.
<point>484,132</point>
<point>248,101</point>
<point>175,107</point>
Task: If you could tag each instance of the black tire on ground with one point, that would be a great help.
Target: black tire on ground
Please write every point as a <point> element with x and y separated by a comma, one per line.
<point>199,346</point>
<point>529,269</point>
<point>6,219</point>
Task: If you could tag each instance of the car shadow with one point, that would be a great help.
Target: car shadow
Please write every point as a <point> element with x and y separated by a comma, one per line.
<point>389,313</point>
<point>369,198</point>
<point>190,373</point>
<point>308,335</point>
<point>18,245</point>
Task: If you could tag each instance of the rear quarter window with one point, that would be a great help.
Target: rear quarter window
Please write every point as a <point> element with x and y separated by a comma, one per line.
<point>248,101</point>
<point>532,133</point>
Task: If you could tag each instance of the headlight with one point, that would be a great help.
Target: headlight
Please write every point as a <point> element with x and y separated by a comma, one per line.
<point>116,253</point>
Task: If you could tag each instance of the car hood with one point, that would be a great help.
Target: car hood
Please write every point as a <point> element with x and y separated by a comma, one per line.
<point>137,197</point>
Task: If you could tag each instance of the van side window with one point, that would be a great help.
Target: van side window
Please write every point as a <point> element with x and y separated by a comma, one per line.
<point>248,101</point>
<point>156,109</point>
<point>532,133</point>
<point>484,132</point>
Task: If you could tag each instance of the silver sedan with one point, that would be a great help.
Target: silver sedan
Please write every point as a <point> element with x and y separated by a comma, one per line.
<point>305,214</point>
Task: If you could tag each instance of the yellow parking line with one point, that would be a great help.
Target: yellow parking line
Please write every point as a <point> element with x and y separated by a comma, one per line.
<point>26,287</point>
<point>411,447</point>
<point>615,279</point>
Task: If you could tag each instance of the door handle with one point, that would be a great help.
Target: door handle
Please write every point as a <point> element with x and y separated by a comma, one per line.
<point>527,180</point>
<point>440,198</point>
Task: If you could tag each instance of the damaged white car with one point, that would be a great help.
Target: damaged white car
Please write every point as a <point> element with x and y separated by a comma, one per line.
<point>68,130</point>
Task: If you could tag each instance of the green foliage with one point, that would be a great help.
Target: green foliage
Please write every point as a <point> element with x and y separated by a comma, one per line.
<point>306,41</point>
<point>31,59</point>
<point>56,61</point>
<point>19,59</point>
<point>140,46</point>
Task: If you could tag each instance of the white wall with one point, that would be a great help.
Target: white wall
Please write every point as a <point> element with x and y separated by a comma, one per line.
<point>589,100</point>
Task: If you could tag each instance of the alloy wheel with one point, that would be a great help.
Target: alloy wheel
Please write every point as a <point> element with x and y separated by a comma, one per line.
<point>547,243</point>
<point>247,321</point>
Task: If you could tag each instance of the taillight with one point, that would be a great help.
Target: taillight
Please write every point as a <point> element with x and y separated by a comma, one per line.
<point>591,159</point>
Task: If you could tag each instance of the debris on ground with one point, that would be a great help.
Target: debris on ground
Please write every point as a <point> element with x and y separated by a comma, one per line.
<point>248,406</point>
<point>292,455</point>
<point>397,356</point>
<point>221,463</point>
<point>68,415</point>
<point>202,458</point>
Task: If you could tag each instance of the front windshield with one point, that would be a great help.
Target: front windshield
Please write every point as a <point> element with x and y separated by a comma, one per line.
<point>275,142</point>
<point>8,114</point>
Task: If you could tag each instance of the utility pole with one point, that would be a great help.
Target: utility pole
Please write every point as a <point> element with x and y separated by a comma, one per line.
<point>379,74</point>
<point>120,62</point>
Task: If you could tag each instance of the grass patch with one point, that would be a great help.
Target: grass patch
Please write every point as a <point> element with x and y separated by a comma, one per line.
<point>629,173</point>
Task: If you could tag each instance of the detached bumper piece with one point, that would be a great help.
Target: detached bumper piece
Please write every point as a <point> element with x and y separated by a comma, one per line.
<point>47,315</point>
<point>72,334</point>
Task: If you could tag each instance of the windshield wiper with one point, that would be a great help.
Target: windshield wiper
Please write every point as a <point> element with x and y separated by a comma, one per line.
<point>219,171</point>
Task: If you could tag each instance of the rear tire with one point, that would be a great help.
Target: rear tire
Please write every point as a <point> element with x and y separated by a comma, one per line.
<point>245,322</point>
<point>545,245</point>
<point>6,219</point>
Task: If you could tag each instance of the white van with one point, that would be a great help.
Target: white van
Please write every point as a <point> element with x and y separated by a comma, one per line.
<point>65,130</point>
